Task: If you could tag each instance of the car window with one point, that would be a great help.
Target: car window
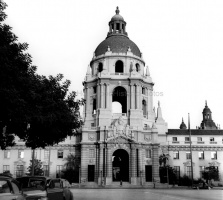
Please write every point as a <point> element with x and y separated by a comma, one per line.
<point>4,187</point>
<point>52,185</point>
<point>15,187</point>
<point>57,183</point>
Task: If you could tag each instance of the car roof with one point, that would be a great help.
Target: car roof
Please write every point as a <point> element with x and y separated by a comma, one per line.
<point>40,177</point>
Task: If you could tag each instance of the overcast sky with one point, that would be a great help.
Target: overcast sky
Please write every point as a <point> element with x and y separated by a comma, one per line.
<point>181,42</point>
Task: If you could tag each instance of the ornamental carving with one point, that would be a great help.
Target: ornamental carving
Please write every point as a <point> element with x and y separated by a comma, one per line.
<point>120,128</point>
<point>148,138</point>
<point>91,137</point>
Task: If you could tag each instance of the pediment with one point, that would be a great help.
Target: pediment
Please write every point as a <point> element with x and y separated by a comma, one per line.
<point>120,139</point>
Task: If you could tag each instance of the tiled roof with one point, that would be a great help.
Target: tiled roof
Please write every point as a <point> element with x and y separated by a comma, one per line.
<point>117,44</point>
<point>194,132</point>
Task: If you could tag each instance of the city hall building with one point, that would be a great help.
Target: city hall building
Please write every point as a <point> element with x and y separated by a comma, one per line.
<point>123,135</point>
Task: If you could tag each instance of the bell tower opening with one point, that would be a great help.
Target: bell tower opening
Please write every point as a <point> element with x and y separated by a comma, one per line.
<point>120,95</point>
<point>119,67</point>
<point>120,165</point>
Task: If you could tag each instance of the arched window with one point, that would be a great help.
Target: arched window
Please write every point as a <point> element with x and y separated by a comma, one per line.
<point>94,106</point>
<point>144,107</point>
<point>137,67</point>
<point>120,95</point>
<point>100,67</point>
<point>119,67</point>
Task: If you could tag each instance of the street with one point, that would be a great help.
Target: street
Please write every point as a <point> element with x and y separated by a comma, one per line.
<point>150,194</point>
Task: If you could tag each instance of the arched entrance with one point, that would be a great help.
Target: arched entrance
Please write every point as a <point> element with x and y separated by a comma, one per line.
<point>120,95</point>
<point>120,165</point>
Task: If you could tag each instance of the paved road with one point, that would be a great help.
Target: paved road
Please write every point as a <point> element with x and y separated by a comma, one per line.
<point>147,194</point>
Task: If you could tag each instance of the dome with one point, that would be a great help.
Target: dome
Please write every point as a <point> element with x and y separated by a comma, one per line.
<point>117,17</point>
<point>206,108</point>
<point>183,125</point>
<point>117,44</point>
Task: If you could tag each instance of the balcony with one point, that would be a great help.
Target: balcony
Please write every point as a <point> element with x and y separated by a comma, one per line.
<point>187,142</point>
<point>117,115</point>
<point>120,74</point>
<point>200,142</point>
<point>175,142</point>
<point>213,142</point>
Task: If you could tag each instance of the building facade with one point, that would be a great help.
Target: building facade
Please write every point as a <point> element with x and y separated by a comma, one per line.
<point>123,136</point>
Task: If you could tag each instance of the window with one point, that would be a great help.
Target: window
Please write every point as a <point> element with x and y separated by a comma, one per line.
<point>137,67</point>
<point>46,154</point>
<point>94,106</point>
<point>211,139</point>
<point>174,139</point>
<point>201,155</point>
<point>199,139</point>
<point>188,171</point>
<point>214,155</point>
<point>94,89</point>
<point>148,153</point>
<point>143,90</point>
<point>59,171</point>
<point>176,155</point>
<point>188,155</point>
<point>201,169</point>
<point>19,171</point>
<point>46,170</point>
<point>7,154</point>
<point>119,67</point>
<point>187,139</point>
<point>100,67</point>
<point>144,107</point>
<point>20,153</point>
<point>60,154</point>
<point>177,170</point>
<point>91,153</point>
<point>6,168</point>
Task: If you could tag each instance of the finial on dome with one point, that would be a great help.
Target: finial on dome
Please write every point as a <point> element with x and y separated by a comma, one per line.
<point>182,119</point>
<point>117,10</point>
<point>158,103</point>
<point>206,103</point>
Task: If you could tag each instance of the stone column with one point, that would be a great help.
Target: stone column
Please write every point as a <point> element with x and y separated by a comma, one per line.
<point>102,95</point>
<point>107,96</point>
<point>84,164</point>
<point>136,97</point>
<point>155,162</point>
<point>109,162</point>
<point>87,99</point>
<point>133,166</point>
<point>132,96</point>
<point>98,95</point>
<point>140,96</point>
<point>115,27</point>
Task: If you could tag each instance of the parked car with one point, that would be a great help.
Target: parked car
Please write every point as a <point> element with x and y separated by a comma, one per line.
<point>44,188</point>
<point>9,189</point>
<point>65,185</point>
<point>202,185</point>
<point>34,187</point>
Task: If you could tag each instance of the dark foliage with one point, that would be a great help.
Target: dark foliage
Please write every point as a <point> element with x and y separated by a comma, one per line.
<point>38,168</point>
<point>211,172</point>
<point>37,109</point>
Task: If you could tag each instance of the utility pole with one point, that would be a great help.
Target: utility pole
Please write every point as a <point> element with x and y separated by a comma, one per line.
<point>33,157</point>
<point>190,151</point>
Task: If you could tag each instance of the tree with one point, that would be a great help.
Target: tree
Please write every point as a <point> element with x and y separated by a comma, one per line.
<point>38,168</point>
<point>37,109</point>
<point>71,171</point>
<point>210,172</point>
<point>167,173</point>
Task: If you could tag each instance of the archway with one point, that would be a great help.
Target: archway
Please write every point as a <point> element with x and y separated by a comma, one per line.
<point>119,67</point>
<point>120,95</point>
<point>120,165</point>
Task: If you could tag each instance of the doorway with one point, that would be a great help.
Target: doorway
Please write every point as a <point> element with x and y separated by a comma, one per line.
<point>120,165</point>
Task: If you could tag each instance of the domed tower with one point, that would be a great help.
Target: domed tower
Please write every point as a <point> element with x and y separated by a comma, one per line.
<point>183,125</point>
<point>120,126</point>
<point>207,122</point>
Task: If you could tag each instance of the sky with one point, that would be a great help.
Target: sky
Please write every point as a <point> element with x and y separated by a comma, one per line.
<point>181,42</point>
